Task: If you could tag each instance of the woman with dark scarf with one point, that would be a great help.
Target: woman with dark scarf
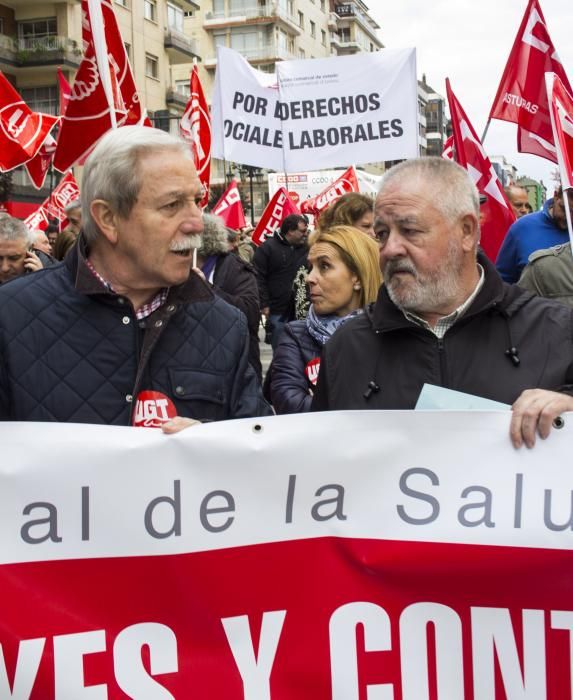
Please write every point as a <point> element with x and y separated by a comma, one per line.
<point>344,276</point>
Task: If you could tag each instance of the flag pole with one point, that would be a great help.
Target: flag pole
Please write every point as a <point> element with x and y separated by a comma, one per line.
<point>566,193</point>
<point>485,131</point>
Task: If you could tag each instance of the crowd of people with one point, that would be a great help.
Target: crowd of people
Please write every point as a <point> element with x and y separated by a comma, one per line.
<point>144,294</point>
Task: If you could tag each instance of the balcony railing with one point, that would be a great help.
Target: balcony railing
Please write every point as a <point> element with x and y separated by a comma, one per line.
<point>269,52</point>
<point>34,51</point>
<point>180,46</point>
<point>267,10</point>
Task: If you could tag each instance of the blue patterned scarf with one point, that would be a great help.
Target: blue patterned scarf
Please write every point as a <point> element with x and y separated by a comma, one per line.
<point>321,328</point>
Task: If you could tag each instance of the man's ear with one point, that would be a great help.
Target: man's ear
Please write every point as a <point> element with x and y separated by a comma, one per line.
<point>470,232</point>
<point>105,219</point>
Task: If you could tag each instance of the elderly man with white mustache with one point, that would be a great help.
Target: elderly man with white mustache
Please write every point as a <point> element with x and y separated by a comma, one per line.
<point>444,316</point>
<point>123,332</point>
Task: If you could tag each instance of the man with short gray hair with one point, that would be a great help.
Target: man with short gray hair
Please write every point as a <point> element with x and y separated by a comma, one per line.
<point>74,213</point>
<point>123,332</point>
<point>444,316</point>
<point>16,254</point>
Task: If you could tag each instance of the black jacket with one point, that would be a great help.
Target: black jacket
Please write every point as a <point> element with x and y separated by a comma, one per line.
<point>72,351</point>
<point>235,282</point>
<point>276,263</point>
<point>398,357</point>
<point>290,385</point>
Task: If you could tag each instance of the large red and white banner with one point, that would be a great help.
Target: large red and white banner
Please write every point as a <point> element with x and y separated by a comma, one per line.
<point>233,561</point>
<point>316,113</point>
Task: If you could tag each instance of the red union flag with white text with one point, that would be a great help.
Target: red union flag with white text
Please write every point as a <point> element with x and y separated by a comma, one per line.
<point>65,193</point>
<point>448,152</point>
<point>521,97</point>
<point>22,132</point>
<point>561,105</point>
<point>230,208</point>
<point>195,128</point>
<point>280,206</point>
<point>103,94</point>
<point>347,182</point>
<point>496,214</point>
<point>37,220</point>
<point>218,565</point>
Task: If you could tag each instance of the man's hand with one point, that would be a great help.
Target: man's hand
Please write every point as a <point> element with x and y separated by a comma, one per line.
<point>534,412</point>
<point>32,262</point>
<point>177,424</point>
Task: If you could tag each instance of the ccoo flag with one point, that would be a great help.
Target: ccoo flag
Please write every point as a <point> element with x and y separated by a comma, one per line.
<point>521,97</point>
<point>497,215</point>
<point>280,206</point>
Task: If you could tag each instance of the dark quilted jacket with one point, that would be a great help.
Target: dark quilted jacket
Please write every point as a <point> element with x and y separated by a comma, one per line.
<point>72,351</point>
<point>290,388</point>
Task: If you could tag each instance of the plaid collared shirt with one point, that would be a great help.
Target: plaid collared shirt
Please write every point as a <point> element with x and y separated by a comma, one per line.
<point>446,322</point>
<point>143,311</point>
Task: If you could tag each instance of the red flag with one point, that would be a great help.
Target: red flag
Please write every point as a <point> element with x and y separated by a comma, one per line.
<point>66,191</point>
<point>65,91</point>
<point>195,128</point>
<point>229,207</point>
<point>22,132</point>
<point>103,94</point>
<point>37,220</point>
<point>280,206</point>
<point>561,106</point>
<point>521,97</point>
<point>448,152</point>
<point>496,214</point>
<point>347,182</point>
<point>38,167</point>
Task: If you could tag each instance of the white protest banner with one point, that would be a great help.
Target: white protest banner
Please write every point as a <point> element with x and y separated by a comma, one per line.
<point>316,113</point>
<point>305,185</point>
<point>233,561</point>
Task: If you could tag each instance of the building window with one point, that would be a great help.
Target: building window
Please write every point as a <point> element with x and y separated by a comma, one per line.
<point>300,20</point>
<point>174,17</point>
<point>323,5</point>
<point>123,3</point>
<point>42,99</point>
<point>183,87</point>
<point>128,50</point>
<point>290,8</point>
<point>323,37</point>
<point>312,29</point>
<point>150,10</point>
<point>151,66</point>
<point>33,33</point>
<point>301,53</point>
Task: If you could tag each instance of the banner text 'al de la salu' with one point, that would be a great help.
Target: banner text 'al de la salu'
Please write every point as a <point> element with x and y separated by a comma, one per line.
<point>407,555</point>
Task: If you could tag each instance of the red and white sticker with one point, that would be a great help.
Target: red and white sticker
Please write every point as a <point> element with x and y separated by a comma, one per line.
<point>152,409</point>
<point>312,369</point>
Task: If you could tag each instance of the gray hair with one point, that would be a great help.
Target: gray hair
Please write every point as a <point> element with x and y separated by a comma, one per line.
<point>12,229</point>
<point>74,204</point>
<point>455,195</point>
<point>111,171</point>
<point>215,236</point>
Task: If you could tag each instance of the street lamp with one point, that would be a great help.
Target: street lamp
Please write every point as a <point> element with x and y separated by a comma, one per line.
<point>252,171</point>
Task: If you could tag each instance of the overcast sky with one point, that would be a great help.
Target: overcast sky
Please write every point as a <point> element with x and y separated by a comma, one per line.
<point>469,41</point>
